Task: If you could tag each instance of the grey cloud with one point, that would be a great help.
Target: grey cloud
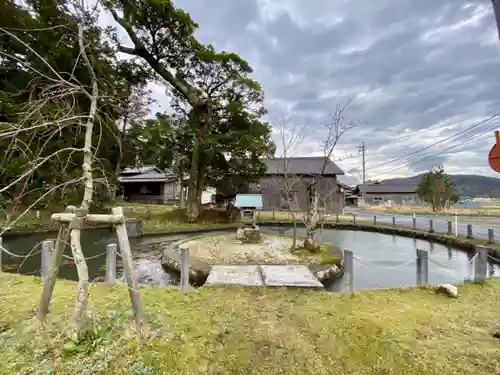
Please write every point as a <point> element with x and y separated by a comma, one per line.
<point>401,61</point>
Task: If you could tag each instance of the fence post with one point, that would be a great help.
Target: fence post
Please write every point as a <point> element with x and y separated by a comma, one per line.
<point>422,267</point>
<point>469,232</point>
<point>431,226</point>
<point>450,228</point>
<point>481,264</point>
<point>491,236</point>
<point>111,263</point>
<point>47,247</point>
<point>1,252</point>
<point>184,270</point>
<point>394,221</point>
<point>349,270</point>
<point>374,219</point>
<point>456,225</point>
<point>354,219</point>
<point>414,223</point>
<point>274,214</point>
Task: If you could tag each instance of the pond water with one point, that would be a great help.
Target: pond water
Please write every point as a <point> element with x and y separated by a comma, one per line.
<point>381,261</point>
<point>387,261</point>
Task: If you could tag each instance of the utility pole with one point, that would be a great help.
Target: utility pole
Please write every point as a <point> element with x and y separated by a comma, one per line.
<point>362,151</point>
<point>496,11</point>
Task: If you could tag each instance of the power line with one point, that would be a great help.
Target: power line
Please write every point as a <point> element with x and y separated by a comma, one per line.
<point>439,142</point>
<point>472,139</point>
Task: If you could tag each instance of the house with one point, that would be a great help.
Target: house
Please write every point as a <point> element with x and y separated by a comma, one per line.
<point>300,172</point>
<point>379,192</point>
<point>149,184</point>
<point>351,194</point>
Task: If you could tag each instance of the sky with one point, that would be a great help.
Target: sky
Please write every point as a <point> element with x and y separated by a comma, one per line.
<point>415,72</point>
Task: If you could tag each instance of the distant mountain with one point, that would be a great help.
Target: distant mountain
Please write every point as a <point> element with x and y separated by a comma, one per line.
<point>468,185</point>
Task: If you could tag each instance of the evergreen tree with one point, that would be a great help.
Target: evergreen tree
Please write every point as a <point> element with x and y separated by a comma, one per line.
<point>436,189</point>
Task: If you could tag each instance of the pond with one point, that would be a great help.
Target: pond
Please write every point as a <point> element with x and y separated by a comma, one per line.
<point>381,260</point>
<point>146,252</point>
<point>387,261</point>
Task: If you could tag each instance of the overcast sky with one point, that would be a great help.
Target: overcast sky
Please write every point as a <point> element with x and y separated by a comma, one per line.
<point>417,71</point>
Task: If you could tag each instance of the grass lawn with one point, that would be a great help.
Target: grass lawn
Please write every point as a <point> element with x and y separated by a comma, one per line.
<point>257,331</point>
<point>155,218</point>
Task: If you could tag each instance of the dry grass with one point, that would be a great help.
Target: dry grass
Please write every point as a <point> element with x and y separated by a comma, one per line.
<point>260,331</point>
<point>285,216</point>
<point>491,209</point>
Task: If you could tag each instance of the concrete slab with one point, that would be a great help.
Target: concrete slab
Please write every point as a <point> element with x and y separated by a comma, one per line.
<point>289,275</point>
<point>234,275</point>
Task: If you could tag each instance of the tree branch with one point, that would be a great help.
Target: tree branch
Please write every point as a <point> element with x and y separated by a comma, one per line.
<point>191,94</point>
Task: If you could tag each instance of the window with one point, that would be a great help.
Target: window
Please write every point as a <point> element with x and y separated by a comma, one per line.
<point>377,200</point>
<point>407,200</point>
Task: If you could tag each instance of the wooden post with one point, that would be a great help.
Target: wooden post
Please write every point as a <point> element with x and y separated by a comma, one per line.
<point>422,267</point>
<point>111,263</point>
<point>469,232</point>
<point>134,293</point>
<point>481,264</point>
<point>456,225</point>
<point>394,221</point>
<point>57,255</point>
<point>274,214</point>
<point>47,248</point>
<point>414,223</point>
<point>431,226</point>
<point>491,236</point>
<point>349,270</point>
<point>184,270</point>
<point>450,228</point>
<point>354,219</point>
<point>374,219</point>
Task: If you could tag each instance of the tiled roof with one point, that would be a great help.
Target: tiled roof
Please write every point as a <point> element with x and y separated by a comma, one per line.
<point>148,173</point>
<point>302,165</point>
<point>139,170</point>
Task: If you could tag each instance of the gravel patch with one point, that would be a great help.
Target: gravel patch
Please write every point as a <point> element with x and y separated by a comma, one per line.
<point>225,249</point>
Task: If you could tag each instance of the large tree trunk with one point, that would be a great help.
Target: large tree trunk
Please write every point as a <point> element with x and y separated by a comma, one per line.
<point>202,117</point>
<point>193,204</point>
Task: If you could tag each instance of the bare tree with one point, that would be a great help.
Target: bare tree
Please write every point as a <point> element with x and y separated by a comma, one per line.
<point>286,182</point>
<point>62,93</point>
<point>336,127</point>
<point>322,192</point>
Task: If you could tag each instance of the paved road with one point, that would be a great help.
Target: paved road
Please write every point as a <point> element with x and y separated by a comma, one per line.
<point>479,226</point>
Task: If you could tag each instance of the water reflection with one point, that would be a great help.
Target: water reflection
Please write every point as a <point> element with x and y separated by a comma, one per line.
<point>382,261</point>
<point>387,261</point>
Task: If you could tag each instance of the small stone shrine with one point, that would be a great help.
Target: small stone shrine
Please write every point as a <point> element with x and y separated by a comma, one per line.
<point>248,204</point>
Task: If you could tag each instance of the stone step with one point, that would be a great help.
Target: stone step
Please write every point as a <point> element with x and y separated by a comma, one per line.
<point>263,275</point>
